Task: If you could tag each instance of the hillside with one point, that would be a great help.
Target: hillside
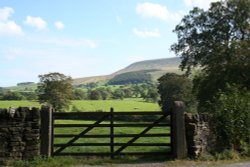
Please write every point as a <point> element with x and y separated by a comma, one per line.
<point>166,64</point>
<point>157,66</point>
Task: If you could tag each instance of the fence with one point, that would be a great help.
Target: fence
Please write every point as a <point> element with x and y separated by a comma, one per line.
<point>176,148</point>
<point>115,148</point>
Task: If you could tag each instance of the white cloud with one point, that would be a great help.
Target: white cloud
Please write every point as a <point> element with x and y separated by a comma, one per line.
<point>151,10</point>
<point>8,27</point>
<point>36,22</point>
<point>146,33</point>
<point>59,25</point>
<point>5,13</point>
<point>199,3</point>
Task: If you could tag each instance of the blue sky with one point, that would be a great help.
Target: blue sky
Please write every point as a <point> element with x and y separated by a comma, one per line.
<point>83,38</point>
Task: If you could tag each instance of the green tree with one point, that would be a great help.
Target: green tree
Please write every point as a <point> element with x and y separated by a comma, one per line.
<point>55,89</point>
<point>10,95</point>
<point>128,92</point>
<point>79,94</point>
<point>174,87</point>
<point>118,94</point>
<point>29,95</point>
<point>105,93</point>
<point>152,95</point>
<point>217,41</point>
<point>95,95</point>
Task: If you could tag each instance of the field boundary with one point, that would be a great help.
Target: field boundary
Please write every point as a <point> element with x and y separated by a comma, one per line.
<point>100,117</point>
<point>176,148</point>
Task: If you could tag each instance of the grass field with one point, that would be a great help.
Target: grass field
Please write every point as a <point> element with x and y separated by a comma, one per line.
<point>106,131</point>
<point>133,104</point>
<point>118,105</point>
<point>20,103</point>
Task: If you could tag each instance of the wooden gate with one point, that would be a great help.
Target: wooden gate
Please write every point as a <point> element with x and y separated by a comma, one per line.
<point>68,142</point>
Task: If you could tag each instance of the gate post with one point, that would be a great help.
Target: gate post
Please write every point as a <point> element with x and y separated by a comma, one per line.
<point>178,135</point>
<point>46,146</point>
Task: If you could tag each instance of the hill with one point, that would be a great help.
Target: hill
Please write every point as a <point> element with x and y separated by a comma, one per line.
<point>157,68</point>
<point>167,64</point>
<point>134,77</point>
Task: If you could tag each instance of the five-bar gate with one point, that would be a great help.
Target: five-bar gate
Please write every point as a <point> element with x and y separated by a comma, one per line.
<point>65,142</point>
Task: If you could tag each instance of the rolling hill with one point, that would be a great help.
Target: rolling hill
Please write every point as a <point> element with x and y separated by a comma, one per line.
<point>167,64</point>
<point>157,68</point>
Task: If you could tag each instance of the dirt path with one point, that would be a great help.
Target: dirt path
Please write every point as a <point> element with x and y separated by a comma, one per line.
<point>184,164</point>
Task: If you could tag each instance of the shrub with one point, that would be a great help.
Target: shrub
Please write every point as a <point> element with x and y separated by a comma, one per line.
<point>231,116</point>
<point>174,87</point>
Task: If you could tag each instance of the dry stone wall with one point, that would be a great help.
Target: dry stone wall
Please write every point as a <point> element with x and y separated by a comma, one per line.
<point>199,134</point>
<point>19,134</point>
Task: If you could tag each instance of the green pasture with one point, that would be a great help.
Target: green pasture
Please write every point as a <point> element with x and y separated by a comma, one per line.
<point>105,131</point>
<point>18,103</point>
<point>133,104</point>
<point>118,105</point>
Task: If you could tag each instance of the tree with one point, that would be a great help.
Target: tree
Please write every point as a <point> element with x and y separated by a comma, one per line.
<point>10,95</point>
<point>118,94</point>
<point>79,94</point>
<point>29,95</point>
<point>174,87</point>
<point>217,41</point>
<point>95,94</point>
<point>105,93</point>
<point>55,89</point>
<point>152,95</point>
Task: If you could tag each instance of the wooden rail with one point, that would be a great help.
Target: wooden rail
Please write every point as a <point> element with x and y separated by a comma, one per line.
<point>116,148</point>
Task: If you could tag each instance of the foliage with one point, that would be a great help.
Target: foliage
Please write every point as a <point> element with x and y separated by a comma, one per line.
<point>151,95</point>
<point>79,94</point>
<point>29,95</point>
<point>11,95</point>
<point>131,78</point>
<point>174,87</point>
<point>118,94</point>
<point>55,89</point>
<point>106,93</point>
<point>24,83</point>
<point>218,41</point>
<point>231,117</point>
<point>227,155</point>
<point>95,95</point>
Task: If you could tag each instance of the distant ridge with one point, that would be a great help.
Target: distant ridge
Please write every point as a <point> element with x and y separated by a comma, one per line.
<point>156,64</point>
<point>160,66</point>
<point>156,68</point>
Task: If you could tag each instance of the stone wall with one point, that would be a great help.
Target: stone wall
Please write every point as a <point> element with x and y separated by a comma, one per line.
<point>19,134</point>
<point>199,135</point>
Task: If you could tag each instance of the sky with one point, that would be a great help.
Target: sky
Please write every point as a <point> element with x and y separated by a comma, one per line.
<point>82,38</point>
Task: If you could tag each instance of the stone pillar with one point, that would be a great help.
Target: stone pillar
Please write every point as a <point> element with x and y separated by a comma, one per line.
<point>178,136</point>
<point>46,147</point>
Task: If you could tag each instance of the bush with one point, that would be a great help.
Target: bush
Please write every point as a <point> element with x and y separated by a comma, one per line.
<point>231,116</point>
<point>174,87</point>
<point>227,155</point>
